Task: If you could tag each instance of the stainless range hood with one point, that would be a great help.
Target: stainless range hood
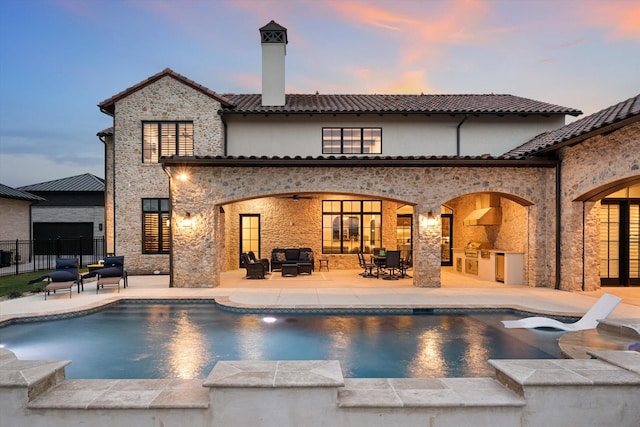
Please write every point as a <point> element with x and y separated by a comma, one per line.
<point>487,211</point>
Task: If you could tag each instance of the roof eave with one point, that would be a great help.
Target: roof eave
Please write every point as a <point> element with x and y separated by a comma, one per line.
<point>254,161</point>
<point>390,112</point>
<point>578,139</point>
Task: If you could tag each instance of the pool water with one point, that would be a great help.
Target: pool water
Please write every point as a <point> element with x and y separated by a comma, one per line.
<point>186,340</point>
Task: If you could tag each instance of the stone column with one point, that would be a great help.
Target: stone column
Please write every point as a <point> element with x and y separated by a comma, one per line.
<point>194,246</point>
<point>426,250</point>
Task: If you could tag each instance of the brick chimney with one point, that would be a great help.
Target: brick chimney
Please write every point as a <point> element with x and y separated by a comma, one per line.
<point>274,48</point>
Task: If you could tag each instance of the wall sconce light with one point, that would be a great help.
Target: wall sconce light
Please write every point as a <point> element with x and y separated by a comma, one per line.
<point>100,227</point>
<point>431,219</point>
<point>168,222</point>
<point>186,221</point>
<point>183,176</point>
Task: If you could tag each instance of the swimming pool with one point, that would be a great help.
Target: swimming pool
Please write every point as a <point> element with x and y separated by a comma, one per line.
<point>134,340</point>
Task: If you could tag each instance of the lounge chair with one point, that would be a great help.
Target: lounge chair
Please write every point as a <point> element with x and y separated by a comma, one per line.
<point>111,274</point>
<point>253,259</point>
<point>255,269</point>
<point>63,278</point>
<point>600,310</point>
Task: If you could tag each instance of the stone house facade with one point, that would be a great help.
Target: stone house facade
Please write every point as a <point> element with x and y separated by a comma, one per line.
<point>246,158</point>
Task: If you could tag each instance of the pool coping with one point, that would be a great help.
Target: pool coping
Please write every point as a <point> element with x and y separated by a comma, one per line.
<point>225,304</point>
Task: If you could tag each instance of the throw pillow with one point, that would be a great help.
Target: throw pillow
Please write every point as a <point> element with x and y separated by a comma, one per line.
<point>281,257</point>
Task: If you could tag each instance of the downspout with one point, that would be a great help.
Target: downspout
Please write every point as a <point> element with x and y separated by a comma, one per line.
<point>113,183</point>
<point>466,116</point>
<point>558,222</point>
<point>164,168</point>
<point>224,132</point>
<point>583,242</point>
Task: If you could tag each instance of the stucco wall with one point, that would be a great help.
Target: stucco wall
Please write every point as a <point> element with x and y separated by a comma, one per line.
<point>301,135</point>
<point>169,100</point>
<point>597,163</point>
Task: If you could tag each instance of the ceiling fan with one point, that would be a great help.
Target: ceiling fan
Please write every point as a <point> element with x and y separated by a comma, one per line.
<point>295,197</point>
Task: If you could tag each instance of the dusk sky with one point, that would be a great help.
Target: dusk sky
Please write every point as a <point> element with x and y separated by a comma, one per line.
<point>60,58</point>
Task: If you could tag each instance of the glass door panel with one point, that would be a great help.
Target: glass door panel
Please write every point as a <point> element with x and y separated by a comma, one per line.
<point>403,234</point>
<point>447,238</point>
<point>249,234</point>
<point>620,243</point>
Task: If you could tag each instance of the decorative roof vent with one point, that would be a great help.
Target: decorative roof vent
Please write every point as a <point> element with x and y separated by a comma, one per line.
<point>487,211</point>
<point>273,37</point>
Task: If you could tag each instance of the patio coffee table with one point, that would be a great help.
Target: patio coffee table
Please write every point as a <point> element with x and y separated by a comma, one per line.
<point>289,269</point>
<point>305,268</point>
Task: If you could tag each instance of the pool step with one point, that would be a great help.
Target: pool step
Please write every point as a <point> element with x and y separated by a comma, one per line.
<point>426,393</point>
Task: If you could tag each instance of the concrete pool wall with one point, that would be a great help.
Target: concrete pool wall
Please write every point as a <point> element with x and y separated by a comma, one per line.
<point>604,390</point>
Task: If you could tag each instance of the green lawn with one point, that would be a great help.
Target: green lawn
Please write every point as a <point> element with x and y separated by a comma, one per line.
<point>16,285</point>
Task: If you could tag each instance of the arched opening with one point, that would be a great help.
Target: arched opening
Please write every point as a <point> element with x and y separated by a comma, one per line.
<point>489,237</point>
<point>334,226</point>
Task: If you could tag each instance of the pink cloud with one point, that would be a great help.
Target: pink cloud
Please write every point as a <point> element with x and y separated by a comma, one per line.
<point>621,19</point>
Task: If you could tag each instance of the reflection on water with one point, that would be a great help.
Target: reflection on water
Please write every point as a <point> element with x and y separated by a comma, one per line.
<point>186,340</point>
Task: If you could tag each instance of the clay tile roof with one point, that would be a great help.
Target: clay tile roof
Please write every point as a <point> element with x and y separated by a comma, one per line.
<point>423,104</point>
<point>108,105</point>
<point>603,121</point>
<point>13,193</point>
<point>84,182</point>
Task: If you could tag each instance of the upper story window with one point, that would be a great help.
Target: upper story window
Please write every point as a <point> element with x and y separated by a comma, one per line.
<point>351,140</point>
<point>166,139</point>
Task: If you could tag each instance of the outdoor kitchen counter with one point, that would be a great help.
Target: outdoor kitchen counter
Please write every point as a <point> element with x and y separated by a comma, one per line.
<point>484,265</point>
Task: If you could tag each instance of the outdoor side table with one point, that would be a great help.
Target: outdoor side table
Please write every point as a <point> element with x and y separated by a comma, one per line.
<point>305,268</point>
<point>324,262</point>
<point>289,269</point>
<point>93,267</point>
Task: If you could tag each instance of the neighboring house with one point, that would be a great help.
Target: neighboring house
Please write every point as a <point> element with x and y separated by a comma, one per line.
<point>15,205</point>
<point>15,224</point>
<point>70,208</point>
<point>342,173</point>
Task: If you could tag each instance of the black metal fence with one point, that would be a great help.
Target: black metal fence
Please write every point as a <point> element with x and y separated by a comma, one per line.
<point>25,256</point>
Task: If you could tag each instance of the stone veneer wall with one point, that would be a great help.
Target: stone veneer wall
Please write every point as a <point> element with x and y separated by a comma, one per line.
<point>168,100</point>
<point>15,223</point>
<point>208,188</point>
<point>287,223</point>
<point>109,201</point>
<point>596,163</point>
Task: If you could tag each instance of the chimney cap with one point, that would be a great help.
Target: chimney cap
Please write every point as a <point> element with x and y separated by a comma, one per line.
<point>273,33</point>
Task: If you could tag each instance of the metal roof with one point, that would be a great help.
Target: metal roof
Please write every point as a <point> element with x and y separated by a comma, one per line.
<point>84,182</point>
<point>13,193</point>
<point>605,120</point>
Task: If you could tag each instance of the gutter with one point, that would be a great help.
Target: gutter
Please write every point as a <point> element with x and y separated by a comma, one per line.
<point>364,161</point>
